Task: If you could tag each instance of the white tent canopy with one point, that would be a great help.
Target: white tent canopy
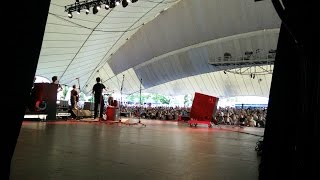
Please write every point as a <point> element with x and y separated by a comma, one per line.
<point>169,44</point>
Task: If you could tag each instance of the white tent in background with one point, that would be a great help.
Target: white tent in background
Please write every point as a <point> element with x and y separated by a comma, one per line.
<point>174,46</point>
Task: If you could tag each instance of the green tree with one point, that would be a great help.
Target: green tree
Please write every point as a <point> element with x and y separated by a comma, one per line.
<point>144,98</point>
<point>82,96</point>
<point>185,100</point>
<point>91,99</point>
<point>158,98</point>
<point>164,99</point>
<point>133,98</point>
<point>64,91</point>
<point>155,98</point>
<point>188,100</point>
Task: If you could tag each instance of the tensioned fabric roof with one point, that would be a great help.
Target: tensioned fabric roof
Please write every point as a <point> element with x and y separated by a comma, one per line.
<point>168,44</point>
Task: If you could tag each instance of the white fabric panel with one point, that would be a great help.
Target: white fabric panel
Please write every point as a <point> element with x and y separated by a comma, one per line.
<point>267,81</point>
<point>224,84</point>
<point>169,88</point>
<point>215,90</point>
<point>232,84</point>
<point>194,60</point>
<point>263,85</point>
<point>248,84</point>
<point>129,84</point>
<point>166,43</point>
<point>80,46</point>
<point>218,84</point>
<point>194,84</point>
<point>208,83</point>
<point>238,80</point>
<point>191,22</point>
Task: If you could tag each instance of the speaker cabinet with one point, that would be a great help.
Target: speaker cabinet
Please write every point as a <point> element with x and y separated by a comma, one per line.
<point>88,106</point>
<point>43,100</point>
<point>80,113</point>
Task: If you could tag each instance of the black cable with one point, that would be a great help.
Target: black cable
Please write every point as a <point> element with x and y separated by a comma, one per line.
<point>68,40</point>
<point>48,32</point>
<point>242,132</point>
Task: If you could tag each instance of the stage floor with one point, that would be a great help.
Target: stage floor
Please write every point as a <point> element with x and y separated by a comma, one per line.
<point>65,150</point>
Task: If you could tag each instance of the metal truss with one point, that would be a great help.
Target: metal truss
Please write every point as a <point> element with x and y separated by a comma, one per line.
<point>251,63</point>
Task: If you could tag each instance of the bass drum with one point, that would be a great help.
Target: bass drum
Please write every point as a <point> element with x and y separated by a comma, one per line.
<point>111,113</point>
<point>41,105</point>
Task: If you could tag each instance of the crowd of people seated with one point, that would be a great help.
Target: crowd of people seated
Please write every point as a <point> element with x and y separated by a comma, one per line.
<point>160,113</point>
<point>253,117</point>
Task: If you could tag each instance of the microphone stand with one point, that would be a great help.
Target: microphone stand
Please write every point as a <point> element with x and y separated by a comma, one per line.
<point>121,97</point>
<point>140,101</point>
<point>139,121</point>
<point>76,103</point>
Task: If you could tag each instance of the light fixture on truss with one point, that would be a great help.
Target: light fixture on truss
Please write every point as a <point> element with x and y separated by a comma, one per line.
<point>95,5</point>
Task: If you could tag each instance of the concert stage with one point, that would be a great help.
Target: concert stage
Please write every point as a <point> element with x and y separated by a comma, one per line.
<point>161,150</point>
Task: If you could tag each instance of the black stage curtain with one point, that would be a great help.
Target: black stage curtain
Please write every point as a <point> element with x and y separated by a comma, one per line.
<point>24,26</point>
<point>291,138</point>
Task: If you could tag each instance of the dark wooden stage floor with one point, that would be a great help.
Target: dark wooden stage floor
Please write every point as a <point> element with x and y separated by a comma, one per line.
<point>65,150</point>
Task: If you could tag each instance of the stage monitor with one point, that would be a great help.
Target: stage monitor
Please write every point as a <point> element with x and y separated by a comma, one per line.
<point>88,106</point>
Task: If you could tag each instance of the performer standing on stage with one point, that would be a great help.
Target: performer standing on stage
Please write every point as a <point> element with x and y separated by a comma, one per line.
<point>55,81</point>
<point>74,97</point>
<point>98,98</point>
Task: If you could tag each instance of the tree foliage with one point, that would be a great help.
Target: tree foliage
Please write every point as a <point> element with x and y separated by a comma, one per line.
<point>147,98</point>
<point>188,100</point>
<point>64,91</point>
<point>164,100</point>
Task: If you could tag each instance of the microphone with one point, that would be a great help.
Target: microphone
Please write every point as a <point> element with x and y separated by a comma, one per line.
<point>77,78</point>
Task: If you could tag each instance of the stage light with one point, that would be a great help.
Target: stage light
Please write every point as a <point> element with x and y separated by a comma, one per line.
<point>69,14</point>
<point>224,72</point>
<point>95,10</point>
<point>124,3</point>
<point>87,9</point>
<point>117,2</point>
<point>112,3</point>
<point>95,5</point>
